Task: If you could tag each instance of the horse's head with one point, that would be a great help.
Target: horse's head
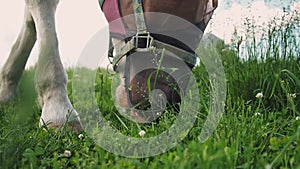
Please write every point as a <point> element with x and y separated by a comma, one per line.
<point>154,74</point>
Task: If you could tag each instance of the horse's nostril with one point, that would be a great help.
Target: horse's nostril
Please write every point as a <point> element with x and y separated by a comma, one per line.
<point>157,99</point>
<point>153,89</point>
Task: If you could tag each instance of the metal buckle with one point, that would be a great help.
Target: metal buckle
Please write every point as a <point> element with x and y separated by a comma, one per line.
<point>143,40</point>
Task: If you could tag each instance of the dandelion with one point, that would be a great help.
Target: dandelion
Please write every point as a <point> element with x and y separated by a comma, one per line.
<point>257,114</point>
<point>297,118</point>
<point>142,133</point>
<point>80,136</point>
<point>67,153</point>
<point>259,95</point>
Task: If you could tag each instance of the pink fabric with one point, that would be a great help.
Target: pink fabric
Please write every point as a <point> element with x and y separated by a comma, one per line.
<point>111,11</point>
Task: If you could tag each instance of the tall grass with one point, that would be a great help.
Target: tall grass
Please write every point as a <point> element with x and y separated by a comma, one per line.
<point>269,65</point>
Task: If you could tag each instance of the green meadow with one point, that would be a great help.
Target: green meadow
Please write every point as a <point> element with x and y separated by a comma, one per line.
<point>260,127</point>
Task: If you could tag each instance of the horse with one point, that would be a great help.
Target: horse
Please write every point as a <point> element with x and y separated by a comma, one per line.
<point>51,78</point>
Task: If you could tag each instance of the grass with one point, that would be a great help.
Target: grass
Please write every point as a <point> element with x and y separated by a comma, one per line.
<point>252,133</point>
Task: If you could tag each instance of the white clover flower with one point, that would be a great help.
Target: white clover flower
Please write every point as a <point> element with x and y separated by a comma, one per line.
<point>80,136</point>
<point>297,118</point>
<point>293,95</point>
<point>257,114</point>
<point>67,153</point>
<point>142,133</point>
<point>268,166</point>
<point>259,95</point>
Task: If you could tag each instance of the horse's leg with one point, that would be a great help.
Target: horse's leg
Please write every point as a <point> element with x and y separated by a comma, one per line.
<point>13,68</point>
<point>51,78</point>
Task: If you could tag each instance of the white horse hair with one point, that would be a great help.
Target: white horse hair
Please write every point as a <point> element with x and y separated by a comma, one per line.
<point>50,77</point>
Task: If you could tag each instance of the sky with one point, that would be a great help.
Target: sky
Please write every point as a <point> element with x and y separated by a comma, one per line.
<point>79,20</point>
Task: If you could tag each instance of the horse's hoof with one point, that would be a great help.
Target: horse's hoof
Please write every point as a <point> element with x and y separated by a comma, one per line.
<point>71,125</point>
<point>75,126</point>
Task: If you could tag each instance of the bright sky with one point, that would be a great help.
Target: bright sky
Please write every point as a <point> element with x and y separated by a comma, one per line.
<point>78,21</point>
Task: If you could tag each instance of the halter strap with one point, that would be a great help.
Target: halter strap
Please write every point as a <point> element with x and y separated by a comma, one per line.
<point>141,33</point>
<point>140,30</point>
<point>139,16</point>
<point>101,2</point>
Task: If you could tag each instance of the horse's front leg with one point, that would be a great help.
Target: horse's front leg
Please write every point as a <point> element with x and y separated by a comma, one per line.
<point>51,78</point>
<point>14,66</point>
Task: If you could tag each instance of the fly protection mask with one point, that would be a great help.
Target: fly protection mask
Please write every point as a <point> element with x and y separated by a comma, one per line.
<point>155,66</point>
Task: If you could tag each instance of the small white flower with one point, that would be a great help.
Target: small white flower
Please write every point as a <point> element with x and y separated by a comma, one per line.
<point>259,95</point>
<point>297,118</point>
<point>268,166</point>
<point>67,153</point>
<point>257,114</point>
<point>80,136</point>
<point>293,96</point>
<point>142,133</point>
